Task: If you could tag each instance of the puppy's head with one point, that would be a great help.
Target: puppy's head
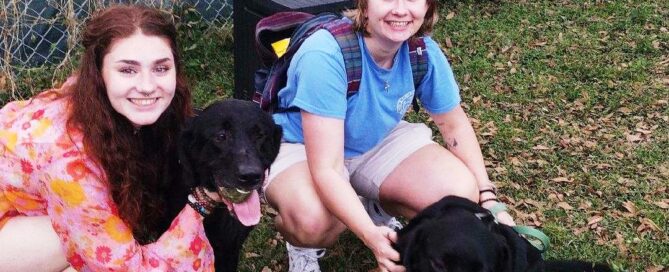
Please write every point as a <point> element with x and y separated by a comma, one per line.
<point>453,235</point>
<point>228,147</point>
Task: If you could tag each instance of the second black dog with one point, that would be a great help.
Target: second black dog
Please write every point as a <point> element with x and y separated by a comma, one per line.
<point>456,234</point>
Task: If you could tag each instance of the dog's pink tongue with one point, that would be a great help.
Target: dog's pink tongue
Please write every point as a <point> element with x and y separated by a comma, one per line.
<point>248,212</point>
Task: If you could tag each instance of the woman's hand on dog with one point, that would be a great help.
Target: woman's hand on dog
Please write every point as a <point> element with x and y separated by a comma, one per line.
<point>380,240</point>
<point>502,217</point>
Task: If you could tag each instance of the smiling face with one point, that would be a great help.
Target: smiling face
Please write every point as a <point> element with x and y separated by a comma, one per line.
<point>392,22</point>
<point>140,77</point>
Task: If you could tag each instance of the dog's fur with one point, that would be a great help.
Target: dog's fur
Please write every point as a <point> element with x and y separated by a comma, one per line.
<point>229,144</point>
<point>456,234</point>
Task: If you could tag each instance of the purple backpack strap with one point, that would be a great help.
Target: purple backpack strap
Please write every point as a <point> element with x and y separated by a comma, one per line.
<point>342,30</point>
<point>418,58</point>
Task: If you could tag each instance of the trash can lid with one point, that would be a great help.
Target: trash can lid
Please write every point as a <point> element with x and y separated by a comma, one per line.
<point>267,7</point>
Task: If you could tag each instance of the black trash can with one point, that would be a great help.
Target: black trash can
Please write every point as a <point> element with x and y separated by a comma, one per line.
<point>246,15</point>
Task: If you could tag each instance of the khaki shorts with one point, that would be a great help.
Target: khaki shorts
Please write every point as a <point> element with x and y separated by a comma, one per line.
<point>366,172</point>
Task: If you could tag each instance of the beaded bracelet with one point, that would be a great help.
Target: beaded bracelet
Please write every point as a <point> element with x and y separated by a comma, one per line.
<point>197,206</point>
<point>201,196</point>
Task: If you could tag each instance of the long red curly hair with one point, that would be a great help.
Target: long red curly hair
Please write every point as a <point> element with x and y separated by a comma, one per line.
<point>138,165</point>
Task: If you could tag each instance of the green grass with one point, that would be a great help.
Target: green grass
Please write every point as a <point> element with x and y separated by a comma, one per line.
<point>570,100</point>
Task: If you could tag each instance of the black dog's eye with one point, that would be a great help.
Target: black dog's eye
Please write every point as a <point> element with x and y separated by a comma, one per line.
<point>438,265</point>
<point>261,135</point>
<point>221,136</point>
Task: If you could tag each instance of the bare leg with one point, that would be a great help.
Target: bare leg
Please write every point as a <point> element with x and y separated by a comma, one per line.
<point>30,244</point>
<point>423,178</point>
<point>302,218</point>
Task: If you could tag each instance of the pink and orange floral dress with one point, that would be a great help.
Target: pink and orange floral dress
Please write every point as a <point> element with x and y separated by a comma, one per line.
<point>44,172</point>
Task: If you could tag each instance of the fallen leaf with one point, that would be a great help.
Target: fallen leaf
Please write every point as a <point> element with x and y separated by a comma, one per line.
<point>266,269</point>
<point>585,205</point>
<point>270,211</point>
<point>633,138</point>
<point>655,268</point>
<point>533,203</point>
<point>595,219</point>
<point>448,42</point>
<point>251,255</point>
<point>561,179</point>
<point>629,206</point>
<point>578,231</point>
<point>450,15</point>
<point>662,204</point>
<point>647,224</point>
<point>603,166</point>
<point>540,147</point>
<point>624,110</point>
<point>506,48</point>
<point>565,206</point>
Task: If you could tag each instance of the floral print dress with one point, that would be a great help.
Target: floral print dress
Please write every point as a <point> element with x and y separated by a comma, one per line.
<point>45,172</point>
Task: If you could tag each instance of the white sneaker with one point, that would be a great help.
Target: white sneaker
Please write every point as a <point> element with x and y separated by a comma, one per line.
<point>302,259</point>
<point>378,215</point>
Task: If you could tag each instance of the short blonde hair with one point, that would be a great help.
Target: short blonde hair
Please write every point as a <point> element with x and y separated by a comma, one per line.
<point>360,21</point>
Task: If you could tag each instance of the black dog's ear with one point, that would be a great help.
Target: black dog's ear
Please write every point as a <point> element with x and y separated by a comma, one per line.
<point>186,139</point>
<point>270,149</point>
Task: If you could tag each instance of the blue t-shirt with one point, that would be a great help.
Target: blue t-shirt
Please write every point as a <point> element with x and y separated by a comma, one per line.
<point>317,84</point>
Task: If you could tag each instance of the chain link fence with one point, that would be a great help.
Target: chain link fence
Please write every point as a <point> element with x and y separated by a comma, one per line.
<point>39,33</point>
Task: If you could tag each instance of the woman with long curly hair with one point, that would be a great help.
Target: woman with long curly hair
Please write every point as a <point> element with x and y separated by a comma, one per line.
<point>87,166</point>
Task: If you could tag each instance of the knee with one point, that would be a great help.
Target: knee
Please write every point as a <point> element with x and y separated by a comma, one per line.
<point>466,187</point>
<point>313,228</point>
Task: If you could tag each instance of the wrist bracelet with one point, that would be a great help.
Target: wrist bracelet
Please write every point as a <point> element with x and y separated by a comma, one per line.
<point>489,199</point>
<point>197,206</point>
<point>492,190</point>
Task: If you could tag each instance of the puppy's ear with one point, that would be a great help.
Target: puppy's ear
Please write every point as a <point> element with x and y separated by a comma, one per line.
<point>407,246</point>
<point>516,248</point>
<point>504,259</point>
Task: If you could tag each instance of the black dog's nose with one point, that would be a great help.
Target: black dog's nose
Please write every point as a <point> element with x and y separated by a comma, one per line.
<point>250,179</point>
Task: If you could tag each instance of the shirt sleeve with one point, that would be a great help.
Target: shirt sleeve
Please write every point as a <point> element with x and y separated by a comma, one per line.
<point>96,239</point>
<point>438,92</point>
<point>318,75</point>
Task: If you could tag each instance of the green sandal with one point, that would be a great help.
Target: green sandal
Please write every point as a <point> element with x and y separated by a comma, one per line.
<point>537,238</point>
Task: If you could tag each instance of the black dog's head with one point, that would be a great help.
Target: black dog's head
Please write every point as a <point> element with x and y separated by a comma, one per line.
<point>228,147</point>
<point>456,234</point>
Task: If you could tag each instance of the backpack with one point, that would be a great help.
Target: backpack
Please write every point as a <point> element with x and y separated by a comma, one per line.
<point>299,26</point>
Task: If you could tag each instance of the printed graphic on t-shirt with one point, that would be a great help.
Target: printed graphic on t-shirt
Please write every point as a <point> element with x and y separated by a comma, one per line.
<point>404,102</point>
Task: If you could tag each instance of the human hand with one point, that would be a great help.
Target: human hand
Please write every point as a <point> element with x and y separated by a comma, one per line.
<point>502,217</point>
<point>380,240</point>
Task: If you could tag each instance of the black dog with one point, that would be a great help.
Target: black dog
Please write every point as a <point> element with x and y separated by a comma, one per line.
<point>228,147</point>
<point>456,234</point>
